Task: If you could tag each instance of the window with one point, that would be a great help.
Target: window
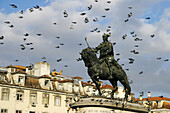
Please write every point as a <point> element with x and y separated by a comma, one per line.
<point>33,98</point>
<point>5,94</point>
<point>57,100</point>
<point>45,98</point>
<point>32,112</point>
<point>18,111</point>
<point>76,88</point>
<point>60,86</point>
<point>2,77</point>
<point>76,81</point>
<point>68,87</point>
<point>21,79</point>
<point>46,82</point>
<point>4,111</point>
<point>19,95</point>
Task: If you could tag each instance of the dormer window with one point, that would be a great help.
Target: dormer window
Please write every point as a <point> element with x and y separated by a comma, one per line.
<point>20,79</point>
<point>2,77</point>
<point>46,82</point>
<point>60,86</point>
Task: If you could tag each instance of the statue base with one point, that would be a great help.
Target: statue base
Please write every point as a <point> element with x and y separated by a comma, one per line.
<point>103,105</point>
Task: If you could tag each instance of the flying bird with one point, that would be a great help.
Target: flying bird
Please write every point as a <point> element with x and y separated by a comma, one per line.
<point>36,7</point>
<point>130,14</point>
<point>11,26</point>
<point>2,37</point>
<point>107,9</point>
<point>159,58</point>
<point>124,36</point>
<point>132,32</point>
<point>82,14</point>
<point>26,34</point>
<point>21,12</point>
<point>95,19</point>
<point>74,22</point>
<point>136,45</point>
<point>126,20</point>
<point>137,39</point>
<point>31,10</point>
<point>166,60</point>
<point>78,59</point>
<point>148,18</point>
<point>13,5</point>
<point>130,7</point>
<point>43,58</point>
<point>114,43</point>
<point>141,72</point>
<point>86,20</point>
<point>20,17</point>
<point>31,48</point>
<point>38,34</point>
<point>131,82</point>
<point>59,60</point>
<point>71,27</point>
<point>57,47</point>
<point>16,60</point>
<point>152,35</point>
<point>108,2</point>
<point>7,22</point>
<point>89,7</point>
<point>65,13</point>
<point>24,39</point>
<point>40,9</point>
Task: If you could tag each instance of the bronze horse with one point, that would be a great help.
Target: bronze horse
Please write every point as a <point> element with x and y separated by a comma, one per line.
<point>99,70</point>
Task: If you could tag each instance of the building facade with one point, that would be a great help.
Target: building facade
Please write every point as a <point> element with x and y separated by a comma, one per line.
<point>35,89</point>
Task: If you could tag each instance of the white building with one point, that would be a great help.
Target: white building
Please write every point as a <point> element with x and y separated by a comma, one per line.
<point>34,89</point>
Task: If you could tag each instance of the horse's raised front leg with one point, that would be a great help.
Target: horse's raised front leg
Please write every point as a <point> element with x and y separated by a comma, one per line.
<point>114,84</point>
<point>96,81</point>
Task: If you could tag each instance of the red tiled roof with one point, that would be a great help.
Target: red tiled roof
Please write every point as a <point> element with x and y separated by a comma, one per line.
<point>77,77</point>
<point>154,99</point>
<point>20,71</point>
<point>107,87</point>
<point>45,76</point>
<point>66,80</point>
<point>86,84</point>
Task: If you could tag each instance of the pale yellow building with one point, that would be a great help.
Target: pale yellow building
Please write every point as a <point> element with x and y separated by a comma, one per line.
<point>34,89</point>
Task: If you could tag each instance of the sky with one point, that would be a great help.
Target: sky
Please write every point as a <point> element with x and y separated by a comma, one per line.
<point>49,21</point>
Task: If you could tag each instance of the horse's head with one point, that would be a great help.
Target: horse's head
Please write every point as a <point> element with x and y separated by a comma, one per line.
<point>88,56</point>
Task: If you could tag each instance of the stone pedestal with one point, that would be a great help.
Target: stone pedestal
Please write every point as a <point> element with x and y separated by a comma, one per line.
<point>103,105</point>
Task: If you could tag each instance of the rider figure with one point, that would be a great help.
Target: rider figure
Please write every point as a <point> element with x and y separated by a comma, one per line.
<point>107,53</point>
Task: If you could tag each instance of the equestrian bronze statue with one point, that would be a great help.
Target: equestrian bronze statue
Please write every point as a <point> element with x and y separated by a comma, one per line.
<point>105,67</point>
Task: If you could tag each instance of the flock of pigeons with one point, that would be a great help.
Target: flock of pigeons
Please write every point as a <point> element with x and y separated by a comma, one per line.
<point>29,45</point>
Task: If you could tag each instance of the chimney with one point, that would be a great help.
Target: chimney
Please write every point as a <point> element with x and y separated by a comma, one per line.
<point>149,94</point>
<point>140,97</point>
<point>41,68</point>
